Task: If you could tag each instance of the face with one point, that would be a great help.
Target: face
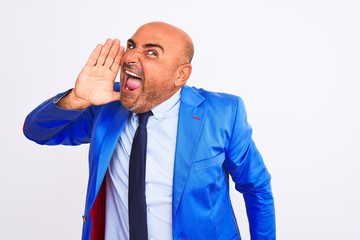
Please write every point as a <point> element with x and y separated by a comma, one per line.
<point>151,67</point>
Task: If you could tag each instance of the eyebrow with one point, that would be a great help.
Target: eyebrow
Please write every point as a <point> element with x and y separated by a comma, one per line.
<point>148,45</point>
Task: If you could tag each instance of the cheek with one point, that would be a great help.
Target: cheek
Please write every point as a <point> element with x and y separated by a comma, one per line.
<point>158,75</point>
<point>158,81</point>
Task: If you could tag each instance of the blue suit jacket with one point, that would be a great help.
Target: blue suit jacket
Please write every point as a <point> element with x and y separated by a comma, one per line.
<point>214,142</point>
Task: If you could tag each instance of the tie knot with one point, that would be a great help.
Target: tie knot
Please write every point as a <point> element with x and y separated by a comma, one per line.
<point>143,117</point>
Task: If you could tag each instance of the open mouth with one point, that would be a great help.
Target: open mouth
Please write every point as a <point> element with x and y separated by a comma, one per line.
<point>132,81</point>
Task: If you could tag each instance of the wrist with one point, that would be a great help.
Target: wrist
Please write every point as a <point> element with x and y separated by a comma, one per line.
<point>71,102</point>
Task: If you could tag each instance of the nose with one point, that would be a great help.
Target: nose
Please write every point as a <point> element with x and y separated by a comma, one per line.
<point>131,57</point>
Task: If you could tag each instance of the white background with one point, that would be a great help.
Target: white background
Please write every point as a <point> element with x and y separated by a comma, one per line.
<point>295,63</point>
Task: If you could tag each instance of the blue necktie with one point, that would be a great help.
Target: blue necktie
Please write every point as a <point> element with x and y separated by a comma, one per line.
<point>137,201</point>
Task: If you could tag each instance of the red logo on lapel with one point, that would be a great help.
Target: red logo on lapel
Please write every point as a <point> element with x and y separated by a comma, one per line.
<point>195,117</point>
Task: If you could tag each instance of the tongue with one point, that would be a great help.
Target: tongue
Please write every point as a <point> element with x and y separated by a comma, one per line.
<point>133,83</point>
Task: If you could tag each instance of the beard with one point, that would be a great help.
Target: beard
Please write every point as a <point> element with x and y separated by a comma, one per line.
<point>143,100</point>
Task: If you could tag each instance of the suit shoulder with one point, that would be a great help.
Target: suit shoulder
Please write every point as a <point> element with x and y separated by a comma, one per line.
<point>219,97</point>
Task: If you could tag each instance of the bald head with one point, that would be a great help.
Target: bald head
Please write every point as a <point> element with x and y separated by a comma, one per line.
<point>177,36</point>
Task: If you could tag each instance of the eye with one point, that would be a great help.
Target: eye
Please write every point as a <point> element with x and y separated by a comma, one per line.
<point>152,53</point>
<point>130,46</point>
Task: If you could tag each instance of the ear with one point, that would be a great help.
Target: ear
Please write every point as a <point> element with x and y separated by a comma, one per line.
<point>182,74</point>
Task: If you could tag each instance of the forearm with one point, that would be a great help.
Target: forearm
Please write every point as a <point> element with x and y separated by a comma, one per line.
<point>49,124</point>
<point>261,213</point>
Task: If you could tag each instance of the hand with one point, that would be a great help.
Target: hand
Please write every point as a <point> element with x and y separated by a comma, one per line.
<point>95,83</point>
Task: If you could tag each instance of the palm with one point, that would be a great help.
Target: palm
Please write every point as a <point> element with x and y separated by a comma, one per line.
<point>95,83</point>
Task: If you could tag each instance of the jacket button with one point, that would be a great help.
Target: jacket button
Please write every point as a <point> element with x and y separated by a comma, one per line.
<point>84,219</point>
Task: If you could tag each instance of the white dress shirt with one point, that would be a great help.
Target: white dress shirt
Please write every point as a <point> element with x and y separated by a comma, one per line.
<point>162,131</point>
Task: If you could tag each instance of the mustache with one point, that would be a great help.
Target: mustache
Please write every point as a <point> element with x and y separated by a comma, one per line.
<point>125,65</point>
<point>133,68</point>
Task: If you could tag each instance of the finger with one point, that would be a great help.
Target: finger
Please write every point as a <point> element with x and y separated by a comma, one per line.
<point>94,56</point>
<point>116,64</point>
<point>104,52</point>
<point>112,53</point>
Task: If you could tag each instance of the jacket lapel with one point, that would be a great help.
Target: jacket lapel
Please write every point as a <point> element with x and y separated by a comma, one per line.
<point>112,125</point>
<point>190,124</point>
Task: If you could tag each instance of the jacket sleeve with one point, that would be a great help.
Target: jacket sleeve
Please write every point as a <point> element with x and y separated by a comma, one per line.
<point>49,124</point>
<point>251,177</point>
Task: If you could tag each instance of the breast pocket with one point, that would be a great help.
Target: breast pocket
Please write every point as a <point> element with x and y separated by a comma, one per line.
<point>209,162</point>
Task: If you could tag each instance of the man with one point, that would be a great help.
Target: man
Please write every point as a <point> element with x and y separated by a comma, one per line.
<point>197,139</point>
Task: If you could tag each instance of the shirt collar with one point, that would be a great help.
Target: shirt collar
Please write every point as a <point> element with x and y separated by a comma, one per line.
<point>162,109</point>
